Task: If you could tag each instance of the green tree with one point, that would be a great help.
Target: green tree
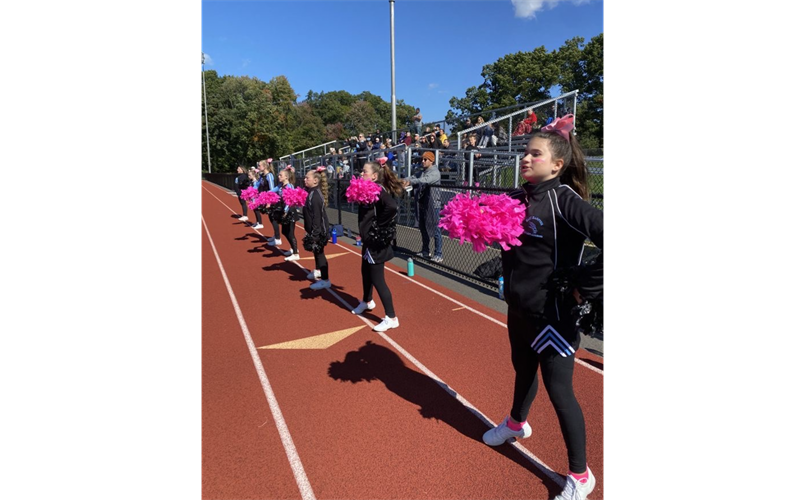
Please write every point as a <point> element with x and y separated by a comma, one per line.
<point>331,107</point>
<point>583,69</point>
<point>361,118</point>
<point>307,129</point>
<point>520,78</point>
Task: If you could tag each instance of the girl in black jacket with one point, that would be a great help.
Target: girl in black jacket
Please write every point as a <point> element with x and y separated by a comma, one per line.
<point>316,224</point>
<point>287,178</point>
<point>242,182</point>
<point>377,224</point>
<point>541,327</point>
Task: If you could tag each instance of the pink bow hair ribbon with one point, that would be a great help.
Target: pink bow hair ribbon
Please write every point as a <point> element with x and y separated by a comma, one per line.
<point>270,160</point>
<point>382,160</point>
<point>321,169</point>
<point>563,126</point>
<point>290,167</point>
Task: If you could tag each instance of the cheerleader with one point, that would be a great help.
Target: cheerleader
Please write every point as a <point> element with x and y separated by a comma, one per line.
<point>242,182</point>
<point>377,223</point>
<point>542,331</point>
<point>267,184</point>
<point>254,176</point>
<point>287,179</point>
<point>317,226</point>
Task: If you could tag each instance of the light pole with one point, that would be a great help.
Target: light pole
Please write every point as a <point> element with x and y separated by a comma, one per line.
<point>393,94</point>
<point>206,120</point>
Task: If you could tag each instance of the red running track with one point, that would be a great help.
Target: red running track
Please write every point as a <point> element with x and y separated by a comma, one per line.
<point>365,418</point>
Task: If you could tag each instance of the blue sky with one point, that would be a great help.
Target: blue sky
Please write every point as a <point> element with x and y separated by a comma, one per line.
<point>440,45</point>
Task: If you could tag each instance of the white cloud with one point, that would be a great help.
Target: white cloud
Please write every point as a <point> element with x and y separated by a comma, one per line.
<point>432,85</point>
<point>207,59</point>
<point>527,8</point>
<point>246,62</point>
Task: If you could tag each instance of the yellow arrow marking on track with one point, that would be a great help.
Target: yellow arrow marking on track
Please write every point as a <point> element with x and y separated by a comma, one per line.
<point>326,255</point>
<point>322,341</point>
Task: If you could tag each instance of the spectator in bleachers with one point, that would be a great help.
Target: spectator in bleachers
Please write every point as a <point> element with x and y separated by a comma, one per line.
<point>376,144</point>
<point>407,139</point>
<point>471,146</point>
<point>428,201</point>
<point>486,134</point>
<point>525,126</point>
<point>501,135</point>
<point>363,152</point>
<point>417,122</point>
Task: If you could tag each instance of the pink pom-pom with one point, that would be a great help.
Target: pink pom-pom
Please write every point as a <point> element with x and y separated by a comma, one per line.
<point>363,191</point>
<point>294,197</point>
<point>484,220</point>
<point>264,198</point>
<point>248,194</point>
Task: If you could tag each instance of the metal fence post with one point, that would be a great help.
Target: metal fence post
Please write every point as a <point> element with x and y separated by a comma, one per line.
<point>436,159</point>
<point>510,134</point>
<point>408,161</point>
<point>472,160</point>
<point>516,171</point>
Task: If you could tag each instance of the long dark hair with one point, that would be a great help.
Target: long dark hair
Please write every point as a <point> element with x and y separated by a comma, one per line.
<point>387,178</point>
<point>574,170</point>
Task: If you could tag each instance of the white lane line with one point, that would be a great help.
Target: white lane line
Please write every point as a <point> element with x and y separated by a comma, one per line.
<point>290,450</point>
<point>517,446</point>
<point>426,287</point>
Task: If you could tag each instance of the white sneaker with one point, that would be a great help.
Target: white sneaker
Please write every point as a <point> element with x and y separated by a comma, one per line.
<point>386,324</point>
<point>363,306</point>
<point>292,257</point>
<point>278,241</point>
<point>270,243</point>
<point>502,433</point>
<point>314,275</point>
<point>576,490</point>
<point>257,226</point>
<point>319,285</point>
<point>244,218</point>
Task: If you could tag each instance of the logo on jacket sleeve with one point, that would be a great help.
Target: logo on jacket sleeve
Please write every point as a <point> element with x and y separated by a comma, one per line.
<point>550,337</point>
<point>530,226</point>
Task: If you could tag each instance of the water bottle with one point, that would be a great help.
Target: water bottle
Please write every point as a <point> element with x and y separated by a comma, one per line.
<point>335,236</point>
<point>500,287</point>
<point>410,266</point>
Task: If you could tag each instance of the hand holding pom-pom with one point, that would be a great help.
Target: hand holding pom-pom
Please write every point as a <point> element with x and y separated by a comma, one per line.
<point>363,191</point>
<point>380,237</point>
<point>294,197</point>
<point>264,199</point>
<point>248,194</point>
<point>484,220</point>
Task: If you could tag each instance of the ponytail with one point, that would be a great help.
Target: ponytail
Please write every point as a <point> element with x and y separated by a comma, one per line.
<point>574,169</point>
<point>387,178</point>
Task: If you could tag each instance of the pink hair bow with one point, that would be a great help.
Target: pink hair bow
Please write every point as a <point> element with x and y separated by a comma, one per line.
<point>320,169</point>
<point>290,167</point>
<point>270,160</point>
<point>563,126</point>
<point>382,160</point>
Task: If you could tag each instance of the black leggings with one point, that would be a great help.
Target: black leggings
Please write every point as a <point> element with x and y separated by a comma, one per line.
<point>244,207</point>
<point>373,274</point>
<point>288,231</point>
<point>257,217</point>
<point>557,375</point>
<point>276,227</point>
<point>321,264</point>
